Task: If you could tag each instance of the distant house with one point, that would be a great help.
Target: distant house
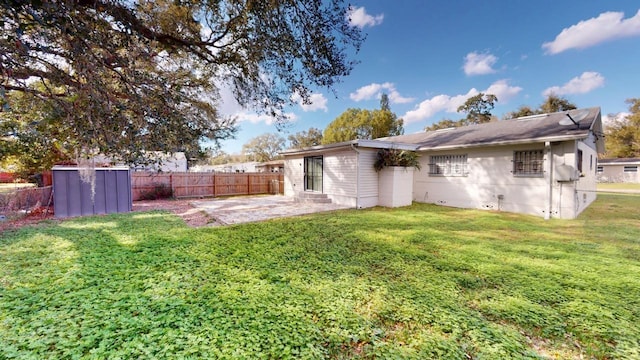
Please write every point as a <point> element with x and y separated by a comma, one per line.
<point>243,167</point>
<point>165,162</point>
<point>275,166</point>
<point>543,165</point>
<point>159,162</point>
<point>619,170</point>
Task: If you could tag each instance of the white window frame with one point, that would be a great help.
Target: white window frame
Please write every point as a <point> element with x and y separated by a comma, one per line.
<point>448,165</point>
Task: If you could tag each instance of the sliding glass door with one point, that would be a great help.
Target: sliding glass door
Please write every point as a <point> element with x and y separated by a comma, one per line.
<point>313,173</point>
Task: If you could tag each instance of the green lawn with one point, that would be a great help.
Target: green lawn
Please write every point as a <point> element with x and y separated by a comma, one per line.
<point>618,186</point>
<point>420,282</point>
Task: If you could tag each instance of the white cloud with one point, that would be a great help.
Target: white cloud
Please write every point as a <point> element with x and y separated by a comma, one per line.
<point>318,102</point>
<point>396,98</point>
<point>428,108</point>
<point>255,118</point>
<point>374,90</point>
<point>586,82</point>
<point>229,107</point>
<point>503,91</point>
<point>607,26</point>
<point>479,64</point>
<point>358,17</point>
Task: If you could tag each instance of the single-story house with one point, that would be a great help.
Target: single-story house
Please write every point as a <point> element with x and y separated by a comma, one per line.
<point>249,166</point>
<point>159,162</point>
<point>274,166</point>
<point>165,162</point>
<point>543,165</point>
<point>619,170</point>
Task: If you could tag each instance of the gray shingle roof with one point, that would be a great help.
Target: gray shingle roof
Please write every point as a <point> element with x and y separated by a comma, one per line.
<point>619,161</point>
<point>544,127</point>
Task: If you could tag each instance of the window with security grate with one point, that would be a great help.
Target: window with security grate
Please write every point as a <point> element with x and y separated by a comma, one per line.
<point>528,163</point>
<point>448,165</point>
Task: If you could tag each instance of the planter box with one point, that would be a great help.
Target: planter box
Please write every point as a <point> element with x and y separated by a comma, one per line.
<point>395,186</point>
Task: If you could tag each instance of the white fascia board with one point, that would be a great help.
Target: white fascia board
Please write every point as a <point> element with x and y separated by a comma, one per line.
<point>503,143</point>
<point>318,148</point>
<point>361,143</point>
<point>379,144</point>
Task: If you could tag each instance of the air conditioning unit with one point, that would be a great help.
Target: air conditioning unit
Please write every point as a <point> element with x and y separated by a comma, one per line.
<point>566,173</point>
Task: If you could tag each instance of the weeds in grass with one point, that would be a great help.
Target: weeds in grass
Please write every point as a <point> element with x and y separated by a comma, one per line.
<point>418,282</point>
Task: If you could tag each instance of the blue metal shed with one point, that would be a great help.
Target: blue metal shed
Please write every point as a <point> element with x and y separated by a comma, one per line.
<point>72,197</point>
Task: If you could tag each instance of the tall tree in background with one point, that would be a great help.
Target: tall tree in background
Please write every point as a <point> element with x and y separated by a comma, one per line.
<point>364,124</point>
<point>144,75</point>
<point>551,104</point>
<point>305,138</point>
<point>263,148</point>
<point>522,111</point>
<point>622,136</point>
<point>554,103</point>
<point>478,108</point>
<point>444,124</point>
<point>397,125</point>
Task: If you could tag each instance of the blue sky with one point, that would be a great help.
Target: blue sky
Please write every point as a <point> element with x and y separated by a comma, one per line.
<point>430,56</point>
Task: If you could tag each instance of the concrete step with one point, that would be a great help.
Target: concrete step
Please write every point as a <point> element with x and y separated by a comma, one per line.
<point>312,198</point>
<point>311,195</point>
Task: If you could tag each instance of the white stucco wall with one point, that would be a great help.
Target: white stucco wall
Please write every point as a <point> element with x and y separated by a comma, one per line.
<point>395,186</point>
<point>490,184</point>
<point>586,184</point>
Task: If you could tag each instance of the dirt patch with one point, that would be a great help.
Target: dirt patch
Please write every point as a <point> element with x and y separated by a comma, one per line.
<point>192,216</point>
<point>35,216</point>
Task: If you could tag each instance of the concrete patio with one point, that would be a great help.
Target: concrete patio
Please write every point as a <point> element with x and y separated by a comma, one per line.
<point>243,209</point>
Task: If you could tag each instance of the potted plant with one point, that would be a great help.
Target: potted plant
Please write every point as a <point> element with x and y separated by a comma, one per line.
<point>395,157</point>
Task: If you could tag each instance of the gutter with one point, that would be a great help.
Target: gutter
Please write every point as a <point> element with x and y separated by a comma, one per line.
<point>355,148</point>
<point>547,147</point>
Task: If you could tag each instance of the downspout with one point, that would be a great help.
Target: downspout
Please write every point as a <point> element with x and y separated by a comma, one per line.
<point>357,175</point>
<point>547,147</point>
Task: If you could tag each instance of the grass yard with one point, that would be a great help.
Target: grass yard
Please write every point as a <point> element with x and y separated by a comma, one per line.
<point>618,186</point>
<point>420,282</point>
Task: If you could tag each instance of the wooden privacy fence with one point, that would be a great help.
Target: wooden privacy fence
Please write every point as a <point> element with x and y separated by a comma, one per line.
<point>186,185</point>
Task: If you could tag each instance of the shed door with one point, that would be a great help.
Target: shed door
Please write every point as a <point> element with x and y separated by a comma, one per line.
<point>313,173</point>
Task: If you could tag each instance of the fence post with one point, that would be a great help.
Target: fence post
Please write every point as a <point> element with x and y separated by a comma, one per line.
<point>213,182</point>
<point>248,184</point>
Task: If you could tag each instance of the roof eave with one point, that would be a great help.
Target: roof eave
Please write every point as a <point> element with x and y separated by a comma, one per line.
<point>360,143</point>
<point>507,142</point>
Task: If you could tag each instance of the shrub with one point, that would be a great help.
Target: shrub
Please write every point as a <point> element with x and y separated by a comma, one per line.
<point>159,191</point>
<point>395,157</point>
